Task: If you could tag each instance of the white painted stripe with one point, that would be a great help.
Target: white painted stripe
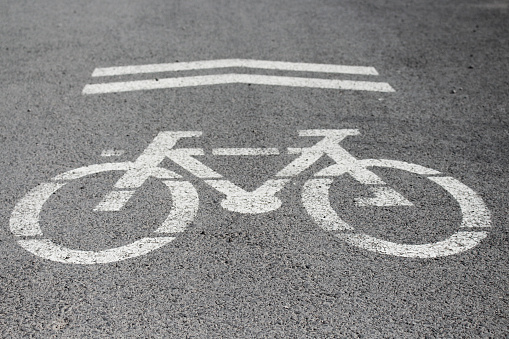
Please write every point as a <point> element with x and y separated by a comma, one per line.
<point>218,79</point>
<point>315,198</point>
<point>184,158</point>
<point>312,82</point>
<point>300,164</point>
<point>335,134</point>
<point>25,216</point>
<point>383,196</point>
<point>245,151</point>
<point>237,63</point>
<point>112,153</point>
<point>47,249</point>
<point>261,200</point>
<point>156,151</point>
<point>185,205</point>
<point>135,178</point>
<point>361,174</point>
<point>457,243</point>
<point>475,213</point>
<point>404,166</point>
<point>114,201</point>
<point>96,168</point>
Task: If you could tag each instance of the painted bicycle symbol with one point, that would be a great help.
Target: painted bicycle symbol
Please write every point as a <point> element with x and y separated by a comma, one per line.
<point>24,221</point>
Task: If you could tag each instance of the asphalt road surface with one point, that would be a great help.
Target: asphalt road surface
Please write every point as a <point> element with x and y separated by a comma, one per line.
<point>260,218</point>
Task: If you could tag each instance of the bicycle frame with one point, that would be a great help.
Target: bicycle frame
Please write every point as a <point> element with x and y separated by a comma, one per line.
<point>262,199</point>
<point>24,221</point>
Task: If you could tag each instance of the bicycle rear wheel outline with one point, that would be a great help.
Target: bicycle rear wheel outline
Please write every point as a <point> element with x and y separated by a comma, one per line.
<point>315,198</point>
<point>24,221</point>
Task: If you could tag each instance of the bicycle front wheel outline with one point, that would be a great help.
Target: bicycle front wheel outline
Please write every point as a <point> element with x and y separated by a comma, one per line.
<point>24,221</point>
<point>315,198</point>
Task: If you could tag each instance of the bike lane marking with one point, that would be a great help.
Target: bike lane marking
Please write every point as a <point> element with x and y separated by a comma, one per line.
<point>24,220</point>
<point>220,79</point>
<point>47,249</point>
<point>234,63</point>
<point>245,151</point>
<point>235,78</point>
<point>112,153</point>
<point>315,197</point>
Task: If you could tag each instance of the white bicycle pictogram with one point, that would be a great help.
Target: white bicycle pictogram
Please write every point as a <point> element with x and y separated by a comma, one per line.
<point>24,221</point>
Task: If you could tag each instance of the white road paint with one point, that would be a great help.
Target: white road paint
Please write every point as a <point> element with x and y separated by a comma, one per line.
<point>315,198</point>
<point>345,163</point>
<point>135,177</point>
<point>47,249</point>
<point>383,196</point>
<point>233,63</point>
<point>245,151</point>
<point>261,200</point>
<point>306,159</point>
<point>114,201</point>
<point>24,221</point>
<point>235,78</point>
<point>185,206</point>
<point>184,158</point>
<point>309,155</point>
<point>25,218</point>
<point>93,169</point>
<point>157,150</point>
<point>219,79</point>
<point>457,243</point>
<point>396,164</point>
<point>112,153</point>
<point>475,214</point>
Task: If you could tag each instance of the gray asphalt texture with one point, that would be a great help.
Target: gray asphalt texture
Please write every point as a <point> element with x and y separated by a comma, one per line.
<point>273,275</point>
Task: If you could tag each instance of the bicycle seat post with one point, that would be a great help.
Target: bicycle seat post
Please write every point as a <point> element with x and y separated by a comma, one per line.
<point>144,167</point>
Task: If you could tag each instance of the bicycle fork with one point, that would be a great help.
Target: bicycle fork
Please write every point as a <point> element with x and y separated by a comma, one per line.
<point>262,199</point>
